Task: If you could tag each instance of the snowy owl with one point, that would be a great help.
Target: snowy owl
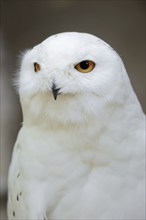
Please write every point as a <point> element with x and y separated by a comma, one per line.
<point>80,153</point>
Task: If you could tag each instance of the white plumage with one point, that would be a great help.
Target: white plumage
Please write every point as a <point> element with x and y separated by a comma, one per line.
<point>81,156</point>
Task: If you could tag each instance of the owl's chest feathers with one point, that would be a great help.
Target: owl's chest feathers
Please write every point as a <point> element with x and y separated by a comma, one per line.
<point>56,151</point>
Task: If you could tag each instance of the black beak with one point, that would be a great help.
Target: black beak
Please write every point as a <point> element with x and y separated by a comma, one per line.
<point>55,91</point>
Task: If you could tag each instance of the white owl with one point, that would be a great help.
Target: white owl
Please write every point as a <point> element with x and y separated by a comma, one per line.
<point>81,153</point>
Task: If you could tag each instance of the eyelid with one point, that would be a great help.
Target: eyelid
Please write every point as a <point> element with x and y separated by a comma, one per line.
<point>92,58</point>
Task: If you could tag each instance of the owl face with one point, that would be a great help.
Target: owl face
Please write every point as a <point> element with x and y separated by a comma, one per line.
<point>73,66</point>
<point>69,63</point>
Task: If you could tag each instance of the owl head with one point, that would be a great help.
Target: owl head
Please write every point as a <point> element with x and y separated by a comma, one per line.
<point>70,76</point>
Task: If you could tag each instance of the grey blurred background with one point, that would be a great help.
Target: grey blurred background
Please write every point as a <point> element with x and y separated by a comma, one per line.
<point>24,24</point>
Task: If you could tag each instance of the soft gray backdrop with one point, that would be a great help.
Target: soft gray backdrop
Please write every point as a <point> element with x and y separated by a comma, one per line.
<point>24,24</point>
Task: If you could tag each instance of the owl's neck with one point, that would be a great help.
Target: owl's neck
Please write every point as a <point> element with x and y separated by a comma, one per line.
<point>81,111</point>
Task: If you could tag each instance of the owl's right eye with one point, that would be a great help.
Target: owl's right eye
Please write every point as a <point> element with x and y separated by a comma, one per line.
<point>37,67</point>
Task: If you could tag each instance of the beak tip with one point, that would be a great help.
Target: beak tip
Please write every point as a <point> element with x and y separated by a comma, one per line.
<point>55,97</point>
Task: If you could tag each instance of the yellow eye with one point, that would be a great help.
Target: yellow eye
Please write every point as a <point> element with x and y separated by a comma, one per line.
<point>85,66</point>
<point>36,67</point>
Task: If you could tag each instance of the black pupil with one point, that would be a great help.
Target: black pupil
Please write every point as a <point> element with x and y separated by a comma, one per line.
<point>84,65</point>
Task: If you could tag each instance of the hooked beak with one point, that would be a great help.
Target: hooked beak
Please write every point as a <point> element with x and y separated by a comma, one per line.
<point>55,91</point>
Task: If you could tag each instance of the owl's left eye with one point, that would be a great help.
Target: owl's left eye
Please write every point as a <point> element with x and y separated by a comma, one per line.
<point>37,67</point>
<point>85,66</point>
